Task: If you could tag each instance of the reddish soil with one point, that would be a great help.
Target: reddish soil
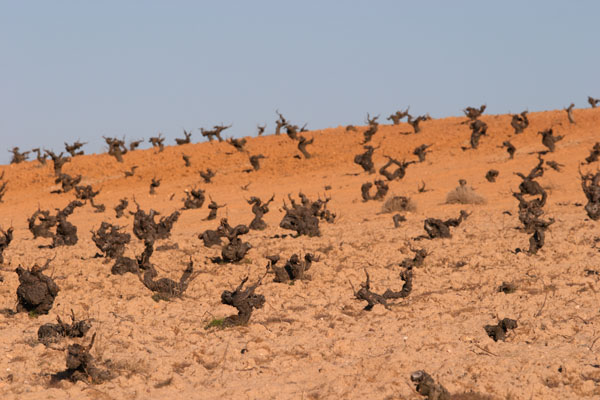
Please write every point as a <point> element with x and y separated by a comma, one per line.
<point>312,339</point>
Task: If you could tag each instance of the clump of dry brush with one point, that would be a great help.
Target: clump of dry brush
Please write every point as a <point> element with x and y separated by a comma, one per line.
<point>397,204</point>
<point>464,194</point>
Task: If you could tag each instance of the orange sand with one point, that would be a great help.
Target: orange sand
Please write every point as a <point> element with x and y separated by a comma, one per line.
<point>312,340</point>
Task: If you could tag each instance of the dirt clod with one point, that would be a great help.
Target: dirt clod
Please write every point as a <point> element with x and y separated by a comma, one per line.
<point>507,287</point>
<point>491,175</point>
<point>499,331</point>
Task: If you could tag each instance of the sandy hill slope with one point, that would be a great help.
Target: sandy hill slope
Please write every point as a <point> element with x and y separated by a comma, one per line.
<point>312,339</point>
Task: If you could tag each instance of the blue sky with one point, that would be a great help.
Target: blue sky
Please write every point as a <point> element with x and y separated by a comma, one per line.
<point>80,69</point>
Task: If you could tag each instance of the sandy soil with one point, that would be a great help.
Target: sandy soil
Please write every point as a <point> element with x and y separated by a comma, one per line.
<point>312,339</point>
